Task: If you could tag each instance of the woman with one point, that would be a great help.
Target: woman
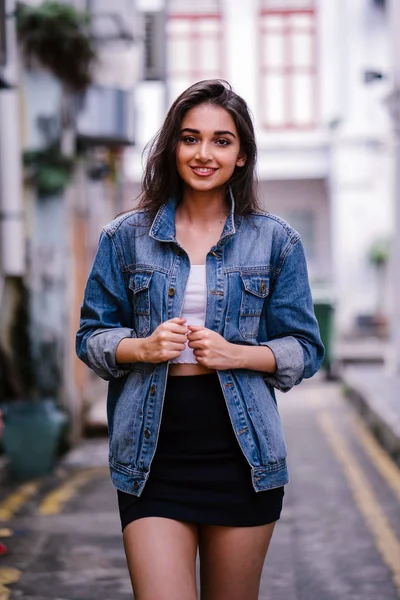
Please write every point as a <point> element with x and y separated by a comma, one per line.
<point>197,306</point>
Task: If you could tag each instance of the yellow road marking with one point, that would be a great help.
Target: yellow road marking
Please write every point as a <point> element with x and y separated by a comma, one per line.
<point>5,532</point>
<point>14,501</point>
<point>382,461</point>
<point>385,538</point>
<point>4,593</point>
<point>7,575</point>
<point>54,502</point>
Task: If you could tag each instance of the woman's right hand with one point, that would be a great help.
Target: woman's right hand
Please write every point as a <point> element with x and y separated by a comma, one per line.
<point>166,342</point>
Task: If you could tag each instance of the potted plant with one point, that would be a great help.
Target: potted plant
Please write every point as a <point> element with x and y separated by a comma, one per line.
<point>55,36</point>
<point>378,256</point>
<point>48,170</point>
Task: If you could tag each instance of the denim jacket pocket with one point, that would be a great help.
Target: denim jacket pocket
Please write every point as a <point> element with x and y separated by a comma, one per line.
<point>139,283</point>
<point>254,292</point>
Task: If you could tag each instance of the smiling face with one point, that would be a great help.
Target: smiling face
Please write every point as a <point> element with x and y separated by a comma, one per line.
<point>208,150</point>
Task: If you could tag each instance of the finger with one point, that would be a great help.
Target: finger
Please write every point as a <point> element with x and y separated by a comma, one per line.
<point>173,351</point>
<point>174,354</point>
<point>195,345</point>
<point>170,336</point>
<point>176,320</point>
<point>196,327</point>
<point>175,328</point>
<point>199,356</point>
<point>174,347</point>
<point>196,335</point>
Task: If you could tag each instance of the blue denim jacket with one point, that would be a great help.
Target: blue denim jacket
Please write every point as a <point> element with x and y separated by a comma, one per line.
<point>257,294</point>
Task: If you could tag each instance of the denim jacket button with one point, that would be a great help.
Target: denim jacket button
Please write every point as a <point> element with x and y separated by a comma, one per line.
<point>147,434</point>
<point>263,287</point>
<point>178,251</point>
<point>136,485</point>
<point>171,292</point>
<point>152,390</point>
<point>215,253</point>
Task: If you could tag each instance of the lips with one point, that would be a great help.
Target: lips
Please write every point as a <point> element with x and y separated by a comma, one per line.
<point>203,171</point>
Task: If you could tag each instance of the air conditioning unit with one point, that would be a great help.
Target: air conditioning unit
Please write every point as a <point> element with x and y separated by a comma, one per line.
<point>106,117</point>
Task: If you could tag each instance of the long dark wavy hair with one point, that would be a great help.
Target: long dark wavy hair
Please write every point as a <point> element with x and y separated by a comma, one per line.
<point>161,179</point>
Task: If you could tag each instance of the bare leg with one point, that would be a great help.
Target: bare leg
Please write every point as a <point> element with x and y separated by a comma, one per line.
<point>161,556</point>
<point>231,561</point>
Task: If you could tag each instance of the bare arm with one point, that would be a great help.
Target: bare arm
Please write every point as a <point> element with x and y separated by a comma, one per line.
<point>213,351</point>
<point>257,358</point>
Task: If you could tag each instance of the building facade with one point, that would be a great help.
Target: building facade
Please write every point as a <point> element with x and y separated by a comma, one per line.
<point>58,227</point>
<point>315,75</point>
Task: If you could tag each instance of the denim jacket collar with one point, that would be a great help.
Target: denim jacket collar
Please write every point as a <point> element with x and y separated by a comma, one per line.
<point>163,227</point>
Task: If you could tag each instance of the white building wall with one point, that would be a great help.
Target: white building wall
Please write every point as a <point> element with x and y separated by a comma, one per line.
<point>348,157</point>
<point>361,162</point>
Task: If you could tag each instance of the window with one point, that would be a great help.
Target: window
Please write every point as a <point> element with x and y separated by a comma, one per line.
<point>194,44</point>
<point>288,64</point>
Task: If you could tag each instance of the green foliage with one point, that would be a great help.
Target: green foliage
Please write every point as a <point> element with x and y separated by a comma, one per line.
<point>379,252</point>
<point>48,170</point>
<point>57,36</point>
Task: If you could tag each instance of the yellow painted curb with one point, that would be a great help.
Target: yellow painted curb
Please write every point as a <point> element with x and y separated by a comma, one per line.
<point>15,500</point>
<point>9,575</point>
<point>55,501</point>
<point>382,461</point>
<point>385,538</point>
<point>5,532</point>
<point>4,593</point>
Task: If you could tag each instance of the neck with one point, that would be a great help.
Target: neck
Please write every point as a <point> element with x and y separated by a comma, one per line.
<point>204,207</point>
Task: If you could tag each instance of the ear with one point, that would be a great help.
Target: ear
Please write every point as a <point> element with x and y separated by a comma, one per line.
<point>241,161</point>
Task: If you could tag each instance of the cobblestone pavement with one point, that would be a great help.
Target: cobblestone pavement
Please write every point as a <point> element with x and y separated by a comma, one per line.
<point>338,538</point>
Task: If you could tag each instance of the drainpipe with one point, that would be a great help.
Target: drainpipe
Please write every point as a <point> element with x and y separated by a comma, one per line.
<point>12,240</point>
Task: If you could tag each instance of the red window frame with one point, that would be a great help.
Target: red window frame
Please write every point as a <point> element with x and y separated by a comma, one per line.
<point>288,69</point>
<point>195,38</point>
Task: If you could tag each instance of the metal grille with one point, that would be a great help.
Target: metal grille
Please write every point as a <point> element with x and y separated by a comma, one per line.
<point>3,59</point>
<point>154,46</point>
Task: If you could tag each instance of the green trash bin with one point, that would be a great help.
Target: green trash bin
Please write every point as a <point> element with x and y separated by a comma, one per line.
<point>324,311</point>
<point>31,436</point>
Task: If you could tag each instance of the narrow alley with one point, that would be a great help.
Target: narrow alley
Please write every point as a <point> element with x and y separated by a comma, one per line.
<point>338,539</point>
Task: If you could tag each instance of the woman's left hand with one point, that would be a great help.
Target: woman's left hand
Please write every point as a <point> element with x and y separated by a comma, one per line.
<point>210,348</point>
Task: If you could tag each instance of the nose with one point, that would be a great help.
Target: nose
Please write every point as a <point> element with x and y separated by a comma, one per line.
<point>203,153</point>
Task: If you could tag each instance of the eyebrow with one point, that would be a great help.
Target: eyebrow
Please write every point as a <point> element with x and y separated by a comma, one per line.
<point>197,132</point>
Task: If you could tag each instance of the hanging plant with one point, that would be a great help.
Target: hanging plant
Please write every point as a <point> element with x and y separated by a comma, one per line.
<point>57,36</point>
<point>379,252</point>
<point>48,170</point>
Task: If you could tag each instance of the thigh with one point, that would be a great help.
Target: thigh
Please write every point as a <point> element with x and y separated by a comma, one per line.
<point>231,561</point>
<point>161,557</point>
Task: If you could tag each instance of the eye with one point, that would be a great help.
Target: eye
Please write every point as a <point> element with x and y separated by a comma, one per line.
<point>189,139</point>
<point>223,142</point>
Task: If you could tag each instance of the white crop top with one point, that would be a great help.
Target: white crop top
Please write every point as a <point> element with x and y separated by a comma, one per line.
<point>194,307</point>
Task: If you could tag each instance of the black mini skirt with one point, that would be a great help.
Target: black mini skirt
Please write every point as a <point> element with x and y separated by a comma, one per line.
<point>199,473</point>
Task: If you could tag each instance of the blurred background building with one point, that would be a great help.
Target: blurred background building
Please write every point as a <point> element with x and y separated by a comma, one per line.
<point>316,75</point>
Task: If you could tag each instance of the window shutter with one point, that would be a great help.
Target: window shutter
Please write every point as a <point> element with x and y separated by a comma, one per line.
<point>154,45</point>
<point>3,57</point>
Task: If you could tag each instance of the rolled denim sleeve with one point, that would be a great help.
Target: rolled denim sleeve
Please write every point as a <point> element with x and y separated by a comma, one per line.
<point>105,314</point>
<point>292,329</point>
